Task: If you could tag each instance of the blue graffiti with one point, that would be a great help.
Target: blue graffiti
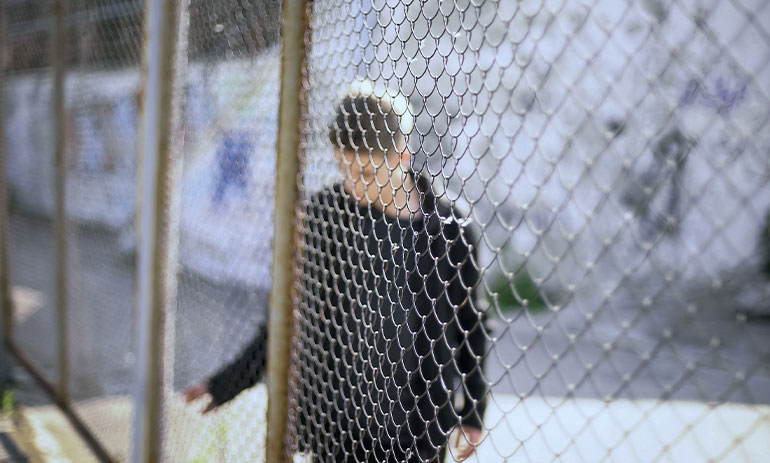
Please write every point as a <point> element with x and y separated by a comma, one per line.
<point>723,95</point>
<point>690,93</point>
<point>233,156</point>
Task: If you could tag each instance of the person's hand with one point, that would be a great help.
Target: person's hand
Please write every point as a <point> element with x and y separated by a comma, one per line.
<point>196,392</point>
<point>468,439</point>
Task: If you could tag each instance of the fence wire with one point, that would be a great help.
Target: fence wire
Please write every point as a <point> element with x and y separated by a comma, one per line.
<point>534,226</point>
<point>27,93</point>
<point>101,114</point>
<point>528,231</point>
<point>98,126</point>
<point>231,113</point>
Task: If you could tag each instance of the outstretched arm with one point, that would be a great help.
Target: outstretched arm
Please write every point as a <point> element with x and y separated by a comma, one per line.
<point>249,366</point>
<point>244,372</point>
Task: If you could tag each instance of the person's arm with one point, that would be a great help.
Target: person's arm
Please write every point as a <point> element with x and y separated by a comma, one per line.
<point>471,330</point>
<point>244,372</point>
<point>249,367</point>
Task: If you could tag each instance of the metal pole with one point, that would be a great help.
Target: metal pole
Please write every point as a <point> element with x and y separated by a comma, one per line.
<point>58,60</point>
<point>5,285</point>
<point>280,319</point>
<point>50,389</point>
<point>53,390</point>
<point>158,237</point>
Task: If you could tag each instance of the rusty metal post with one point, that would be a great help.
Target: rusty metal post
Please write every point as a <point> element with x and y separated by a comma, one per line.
<point>163,65</point>
<point>61,229</point>
<point>280,318</point>
<point>5,284</point>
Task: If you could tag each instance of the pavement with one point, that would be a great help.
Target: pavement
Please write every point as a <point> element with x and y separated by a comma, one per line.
<point>535,429</point>
<point>10,447</point>
<point>16,445</point>
<point>236,433</point>
<point>618,359</point>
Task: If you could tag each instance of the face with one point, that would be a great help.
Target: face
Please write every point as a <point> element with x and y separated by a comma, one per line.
<point>365,166</point>
<point>361,166</point>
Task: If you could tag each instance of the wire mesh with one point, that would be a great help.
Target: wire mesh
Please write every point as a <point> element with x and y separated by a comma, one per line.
<point>534,226</point>
<point>27,88</point>
<point>231,112</point>
<point>101,128</point>
<point>529,231</point>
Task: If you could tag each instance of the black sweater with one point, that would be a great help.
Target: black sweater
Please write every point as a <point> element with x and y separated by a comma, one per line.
<point>388,328</point>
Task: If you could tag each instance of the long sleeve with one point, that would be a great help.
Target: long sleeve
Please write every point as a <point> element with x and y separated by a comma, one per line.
<point>471,329</point>
<point>244,372</point>
<point>249,367</point>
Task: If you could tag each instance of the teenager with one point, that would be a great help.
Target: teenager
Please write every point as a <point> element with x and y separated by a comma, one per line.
<point>390,341</point>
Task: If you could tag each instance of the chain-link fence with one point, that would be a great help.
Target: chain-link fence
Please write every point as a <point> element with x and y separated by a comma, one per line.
<point>231,114</point>
<point>70,86</point>
<point>34,283</point>
<point>100,123</point>
<point>524,231</point>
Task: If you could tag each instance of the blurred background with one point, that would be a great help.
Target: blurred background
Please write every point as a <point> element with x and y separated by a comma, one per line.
<point>613,157</point>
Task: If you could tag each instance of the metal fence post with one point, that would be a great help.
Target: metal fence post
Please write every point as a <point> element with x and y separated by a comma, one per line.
<point>5,285</point>
<point>286,192</point>
<point>59,63</point>
<point>163,64</point>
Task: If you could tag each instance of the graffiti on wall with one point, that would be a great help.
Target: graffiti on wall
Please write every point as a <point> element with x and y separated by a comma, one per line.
<point>720,93</point>
<point>232,176</point>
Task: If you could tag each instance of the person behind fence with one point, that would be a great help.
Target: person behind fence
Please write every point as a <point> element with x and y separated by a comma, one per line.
<point>390,339</point>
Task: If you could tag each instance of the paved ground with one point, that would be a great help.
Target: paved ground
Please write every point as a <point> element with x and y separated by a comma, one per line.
<point>10,452</point>
<point>15,446</point>
<point>628,349</point>
<point>528,430</point>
